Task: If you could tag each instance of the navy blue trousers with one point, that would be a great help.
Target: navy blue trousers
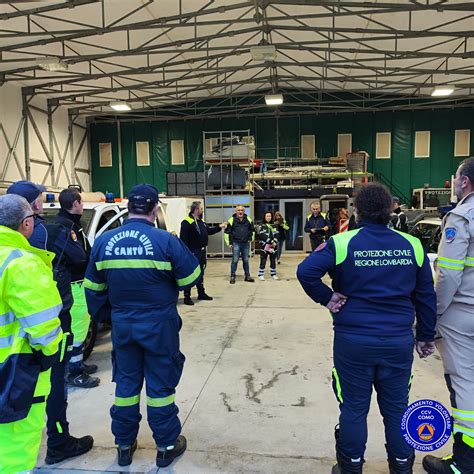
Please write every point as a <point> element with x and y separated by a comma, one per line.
<point>56,405</point>
<point>146,350</point>
<point>202,259</point>
<point>363,362</point>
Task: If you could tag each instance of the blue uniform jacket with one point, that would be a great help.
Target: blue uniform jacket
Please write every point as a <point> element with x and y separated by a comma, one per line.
<point>195,232</point>
<point>135,273</point>
<point>318,223</point>
<point>385,276</point>
<point>70,254</point>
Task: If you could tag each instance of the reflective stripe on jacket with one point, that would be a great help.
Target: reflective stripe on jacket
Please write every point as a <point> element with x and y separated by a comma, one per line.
<point>136,271</point>
<point>30,331</point>
<point>385,276</point>
<point>195,232</point>
<point>455,262</point>
<point>239,230</point>
<point>317,222</point>
<point>267,234</point>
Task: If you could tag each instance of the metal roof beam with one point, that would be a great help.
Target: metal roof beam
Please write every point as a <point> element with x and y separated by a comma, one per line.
<point>399,6</point>
<point>48,8</point>
<point>309,80</point>
<point>155,23</point>
<point>381,72</point>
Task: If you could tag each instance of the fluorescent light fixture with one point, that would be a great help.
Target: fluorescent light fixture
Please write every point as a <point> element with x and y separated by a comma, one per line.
<point>120,106</point>
<point>51,64</point>
<point>274,99</point>
<point>263,53</point>
<point>442,91</point>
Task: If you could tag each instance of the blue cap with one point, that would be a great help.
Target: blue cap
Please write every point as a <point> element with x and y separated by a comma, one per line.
<point>30,191</point>
<point>143,193</point>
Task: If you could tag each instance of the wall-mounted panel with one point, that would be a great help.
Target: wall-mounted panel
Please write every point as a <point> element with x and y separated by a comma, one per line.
<point>344,144</point>
<point>462,142</point>
<point>422,144</point>
<point>308,147</point>
<point>383,145</point>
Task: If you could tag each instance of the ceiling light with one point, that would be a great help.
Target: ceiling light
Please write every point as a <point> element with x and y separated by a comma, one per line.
<point>442,91</point>
<point>274,99</point>
<point>120,106</point>
<point>51,64</point>
<point>263,53</point>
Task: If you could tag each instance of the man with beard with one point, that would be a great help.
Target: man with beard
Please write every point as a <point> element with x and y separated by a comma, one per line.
<point>195,234</point>
<point>455,327</point>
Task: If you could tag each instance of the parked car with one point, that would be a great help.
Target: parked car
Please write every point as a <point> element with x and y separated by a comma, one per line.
<point>429,233</point>
<point>97,218</point>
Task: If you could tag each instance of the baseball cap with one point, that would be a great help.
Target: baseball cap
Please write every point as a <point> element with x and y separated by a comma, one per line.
<point>396,199</point>
<point>30,191</point>
<point>143,193</point>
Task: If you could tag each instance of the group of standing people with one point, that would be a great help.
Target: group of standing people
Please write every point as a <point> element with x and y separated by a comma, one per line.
<point>383,308</point>
<point>270,236</point>
<point>239,232</point>
<point>320,226</point>
<point>34,364</point>
<point>133,278</point>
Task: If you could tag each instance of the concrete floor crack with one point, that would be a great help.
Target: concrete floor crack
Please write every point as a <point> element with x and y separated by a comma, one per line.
<point>253,394</point>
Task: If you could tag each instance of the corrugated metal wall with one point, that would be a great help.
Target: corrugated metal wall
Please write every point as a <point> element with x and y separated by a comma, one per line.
<point>402,171</point>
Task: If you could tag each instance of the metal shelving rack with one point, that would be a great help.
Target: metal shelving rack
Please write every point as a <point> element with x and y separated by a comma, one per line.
<point>227,182</point>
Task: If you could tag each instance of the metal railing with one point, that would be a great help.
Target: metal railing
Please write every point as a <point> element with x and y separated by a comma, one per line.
<point>396,191</point>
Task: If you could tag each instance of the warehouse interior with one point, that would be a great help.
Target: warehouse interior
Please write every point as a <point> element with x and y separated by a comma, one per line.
<point>106,94</point>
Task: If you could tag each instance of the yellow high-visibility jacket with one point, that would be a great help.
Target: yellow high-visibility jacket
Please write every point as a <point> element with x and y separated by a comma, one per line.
<point>30,330</point>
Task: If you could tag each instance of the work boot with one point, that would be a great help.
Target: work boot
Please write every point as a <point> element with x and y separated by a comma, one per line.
<point>460,462</point>
<point>401,466</point>
<point>125,454</point>
<point>71,448</point>
<point>188,301</point>
<point>344,464</point>
<point>165,456</point>
<point>447,465</point>
<point>232,279</point>
<point>88,369</point>
<point>205,297</point>
<point>83,381</point>
<point>249,278</point>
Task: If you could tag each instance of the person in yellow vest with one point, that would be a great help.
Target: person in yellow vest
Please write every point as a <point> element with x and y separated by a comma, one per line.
<point>238,234</point>
<point>317,225</point>
<point>30,336</point>
<point>283,228</point>
<point>195,234</point>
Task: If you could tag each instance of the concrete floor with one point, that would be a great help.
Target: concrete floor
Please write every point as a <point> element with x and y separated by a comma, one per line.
<point>256,393</point>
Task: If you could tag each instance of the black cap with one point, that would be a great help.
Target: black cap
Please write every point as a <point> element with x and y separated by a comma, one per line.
<point>143,193</point>
<point>396,199</point>
<point>30,191</point>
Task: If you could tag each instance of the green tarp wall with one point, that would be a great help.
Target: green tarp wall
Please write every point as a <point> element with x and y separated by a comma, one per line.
<point>402,172</point>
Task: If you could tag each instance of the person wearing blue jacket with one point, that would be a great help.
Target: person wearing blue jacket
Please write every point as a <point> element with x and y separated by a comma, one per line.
<point>381,280</point>
<point>61,240</point>
<point>133,279</point>
<point>317,225</point>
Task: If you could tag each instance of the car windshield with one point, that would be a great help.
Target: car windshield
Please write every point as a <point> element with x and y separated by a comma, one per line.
<point>160,221</point>
<point>50,213</point>
<point>429,235</point>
